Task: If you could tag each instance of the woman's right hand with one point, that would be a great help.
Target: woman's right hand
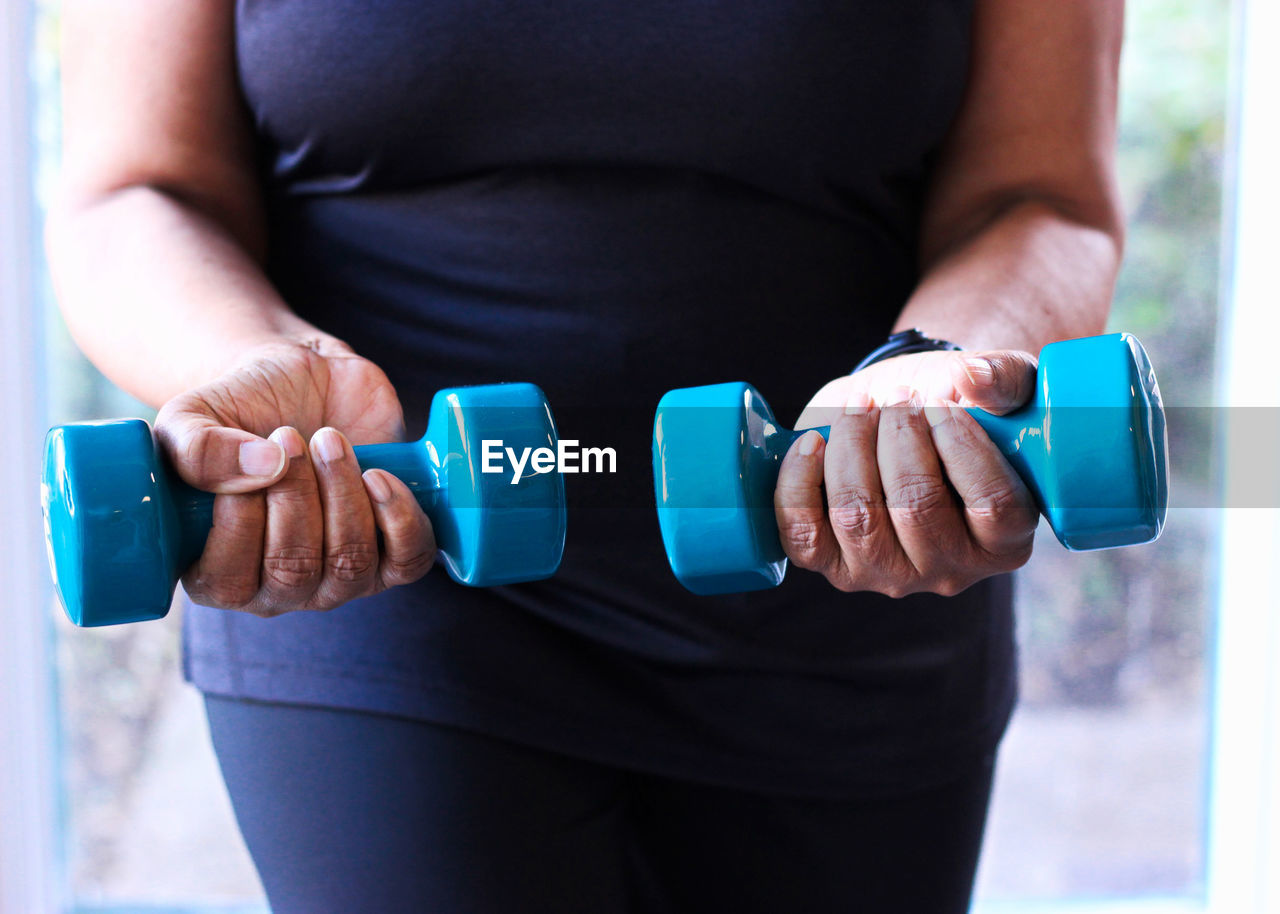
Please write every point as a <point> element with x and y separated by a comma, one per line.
<point>295,524</point>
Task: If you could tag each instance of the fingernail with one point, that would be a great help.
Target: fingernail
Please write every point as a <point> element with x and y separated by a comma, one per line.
<point>980,372</point>
<point>261,458</point>
<point>809,442</point>
<point>936,412</point>
<point>379,489</point>
<point>327,445</point>
<point>290,440</point>
<point>858,404</point>
<point>906,396</point>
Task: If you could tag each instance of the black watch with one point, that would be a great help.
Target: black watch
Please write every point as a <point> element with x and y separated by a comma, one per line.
<point>905,342</point>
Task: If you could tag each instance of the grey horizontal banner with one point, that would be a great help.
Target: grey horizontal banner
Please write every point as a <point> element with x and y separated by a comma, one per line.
<point>1218,457</point>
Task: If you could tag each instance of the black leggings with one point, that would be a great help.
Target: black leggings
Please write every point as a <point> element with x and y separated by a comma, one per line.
<point>350,812</point>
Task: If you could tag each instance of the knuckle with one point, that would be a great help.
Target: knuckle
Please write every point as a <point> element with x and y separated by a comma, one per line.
<point>896,590</point>
<point>325,600</point>
<point>1013,558</point>
<point>1008,367</point>
<point>853,512</point>
<point>171,421</point>
<point>351,562</point>
<point>999,363</point>
<point>293,567</point>
<point>406,525</point>
<point>950,585</point>
<point>986,562</point>
<point>901,417</point>
<point>998,504</point>
<point>240,521</point>
<point>329,600</point>
<point>842,582</point>
<point>800,540</point>
<point>295,491</point>
<point>225,591</point>
<point>406,571</point>
<point>918,500</point>
<point>898,577</point>
<point>909,585</point>
<point>1015,374</point>
<point>263,611</point>
<point>185,448</point>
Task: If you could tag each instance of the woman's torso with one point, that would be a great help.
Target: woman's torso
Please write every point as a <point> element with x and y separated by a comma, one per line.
<point>611,200</point>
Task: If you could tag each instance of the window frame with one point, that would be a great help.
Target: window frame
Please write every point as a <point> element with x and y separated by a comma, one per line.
<point>1243,838</point>
<point>29,859</point>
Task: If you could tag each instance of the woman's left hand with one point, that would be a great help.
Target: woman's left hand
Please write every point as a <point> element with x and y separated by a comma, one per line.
<point>917,497</point>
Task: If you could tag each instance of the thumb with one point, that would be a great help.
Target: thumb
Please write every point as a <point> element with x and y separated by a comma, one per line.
<point>998,381</point>
<point>212,457</point>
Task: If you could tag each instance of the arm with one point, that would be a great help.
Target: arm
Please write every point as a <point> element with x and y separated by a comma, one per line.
<point>157,234</point>
<point>156,244</point>
<point>1020,244</point>
<point>1023,229</point>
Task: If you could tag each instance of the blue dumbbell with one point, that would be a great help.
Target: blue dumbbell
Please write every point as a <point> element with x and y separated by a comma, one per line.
<point>1090,446</point>
<point>121,527</point>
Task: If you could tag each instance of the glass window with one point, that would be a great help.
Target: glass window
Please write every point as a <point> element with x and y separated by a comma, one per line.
<point>147,818</point>
<point>1101,782</point>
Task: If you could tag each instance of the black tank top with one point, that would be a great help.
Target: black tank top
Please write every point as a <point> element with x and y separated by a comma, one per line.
<point>611,199</point>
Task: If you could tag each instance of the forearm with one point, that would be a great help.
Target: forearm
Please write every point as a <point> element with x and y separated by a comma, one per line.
<point>1029,277</point>
<point>157,294</point>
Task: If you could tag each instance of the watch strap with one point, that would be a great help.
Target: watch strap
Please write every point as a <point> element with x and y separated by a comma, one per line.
<point>906,342</point>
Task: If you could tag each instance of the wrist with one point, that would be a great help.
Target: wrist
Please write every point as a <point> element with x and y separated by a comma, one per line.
<point>256,346</point>
<point>252,343</point>
<point>905,342</point>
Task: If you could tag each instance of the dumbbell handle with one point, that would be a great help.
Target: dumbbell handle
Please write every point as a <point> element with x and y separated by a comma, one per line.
<point>410,462</point>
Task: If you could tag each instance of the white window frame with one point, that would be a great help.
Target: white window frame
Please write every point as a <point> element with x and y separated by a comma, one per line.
<point>29,868</point>
<point>1244,796</point>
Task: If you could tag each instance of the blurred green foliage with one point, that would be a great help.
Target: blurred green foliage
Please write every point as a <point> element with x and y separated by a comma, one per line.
<point>1173,104</point>
<point>1133,624</point>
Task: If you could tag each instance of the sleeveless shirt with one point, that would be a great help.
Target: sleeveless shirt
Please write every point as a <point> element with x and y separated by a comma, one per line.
<point>611,199</point>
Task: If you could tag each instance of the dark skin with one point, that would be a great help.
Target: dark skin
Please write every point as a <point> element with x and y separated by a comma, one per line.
<point>159,236</point>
